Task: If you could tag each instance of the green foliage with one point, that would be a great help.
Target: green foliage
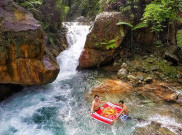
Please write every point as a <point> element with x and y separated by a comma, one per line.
<point>125,23</point>
<point>130,7</point>
<point>87,8</point>
<point>141,25</point>
<point>168,70</point>
<point>51,40</point>
<point>50,14</point>
<point>165,69</point>
<point>160,11</point>
<point>28,4</point>
<point>111,44</point>
<point>179,38</point>
<point>158,43</point>
<point>138,26</point>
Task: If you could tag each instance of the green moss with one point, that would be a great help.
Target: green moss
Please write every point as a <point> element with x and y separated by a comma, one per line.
<point>94,36</point>
<point>164,67</point>
<point>179,38</point>
<point>168,70</point>
<point>154,66</point>
<point>141,25</point>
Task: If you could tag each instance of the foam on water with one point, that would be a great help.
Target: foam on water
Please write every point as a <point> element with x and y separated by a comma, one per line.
<point>166,121</point>
<point>68,59</point>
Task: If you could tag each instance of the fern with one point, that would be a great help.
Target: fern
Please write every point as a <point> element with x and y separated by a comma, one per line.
<point>111,44</point>
<point>179,38</point>
<point>141,25</point>
<point>111,41</point>
<point>51,40</point>
<point>125,23</point>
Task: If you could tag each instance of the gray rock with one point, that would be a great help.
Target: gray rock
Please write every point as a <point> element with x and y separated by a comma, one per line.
<point>180,80</point>
<point>81,19</point>
<point>124,65</point>
<point>148,80</point>
<point>171,58</point>
<point>122,73</point>
<point>132,78</point>
<point>144,57</point>
<point>179,76</point>
<point>155,68</point>
<point>152,56</point>
<point>129,63</point>
<point>140,78</point>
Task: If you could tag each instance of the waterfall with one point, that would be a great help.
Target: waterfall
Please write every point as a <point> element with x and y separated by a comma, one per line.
<point>76,37</point>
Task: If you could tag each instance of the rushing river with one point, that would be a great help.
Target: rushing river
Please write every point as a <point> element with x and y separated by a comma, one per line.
<point>61,108</point>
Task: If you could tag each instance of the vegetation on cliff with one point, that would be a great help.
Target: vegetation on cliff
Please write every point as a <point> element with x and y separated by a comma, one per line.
<point>50,14</point>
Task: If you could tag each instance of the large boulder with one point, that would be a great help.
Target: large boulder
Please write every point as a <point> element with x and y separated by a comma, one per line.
<point>23,59</point>
<point>171,57</point>
<point>157,91</point>
<point>111,87</point>
<point>103,40</point>
<point>153,129</point>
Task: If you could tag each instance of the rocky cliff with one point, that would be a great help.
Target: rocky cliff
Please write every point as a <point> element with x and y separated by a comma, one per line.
<point>103,40</point>
<point>24,59</point>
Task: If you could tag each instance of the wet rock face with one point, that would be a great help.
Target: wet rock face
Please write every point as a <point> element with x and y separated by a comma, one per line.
<point>153,129</point>
<point>157,91</point>
<point>81,19</point>
<point>104,33</point>
<point>23,60</point>
<point>111,87</point>
<point>172,58</point>
<point>8,89</point>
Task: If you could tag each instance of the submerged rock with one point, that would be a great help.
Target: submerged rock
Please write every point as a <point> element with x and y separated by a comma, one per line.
<point>23,59</point>
<point>103,40</point>
<point>157,91</point>
<point>111,87</point>
<point>153,129</point>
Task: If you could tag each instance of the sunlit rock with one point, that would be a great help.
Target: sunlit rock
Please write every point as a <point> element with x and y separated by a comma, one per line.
<point>23,57</point>
<point>103,40</point>
<point>111,87</point>
<point>157,91</point>
<point>153,129</point>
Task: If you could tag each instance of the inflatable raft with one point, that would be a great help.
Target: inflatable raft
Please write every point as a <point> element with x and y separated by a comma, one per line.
<point>107,113</point>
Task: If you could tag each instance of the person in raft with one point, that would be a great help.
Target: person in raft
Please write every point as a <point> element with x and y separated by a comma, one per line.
<point>123,115</point>
<point>95,104</point>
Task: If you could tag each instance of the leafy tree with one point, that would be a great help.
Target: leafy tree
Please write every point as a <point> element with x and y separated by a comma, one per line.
<point>87,8</point>
<point>161,11</point>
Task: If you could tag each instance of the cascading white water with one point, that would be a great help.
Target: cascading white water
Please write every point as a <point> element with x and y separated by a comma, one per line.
<point>68,59</point>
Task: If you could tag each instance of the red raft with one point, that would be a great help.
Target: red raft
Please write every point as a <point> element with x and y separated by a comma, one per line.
<point>107,113</point>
